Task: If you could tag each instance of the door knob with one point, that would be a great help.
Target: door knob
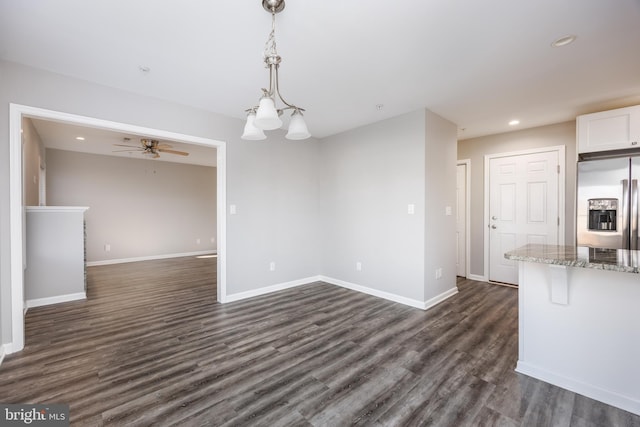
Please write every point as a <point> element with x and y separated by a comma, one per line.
<point>493,226</point>
<point>494,217</point>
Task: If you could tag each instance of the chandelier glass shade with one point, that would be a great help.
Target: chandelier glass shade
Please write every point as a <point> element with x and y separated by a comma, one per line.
<point>251,132</point>
<point>297,127</point>
<point>266,115</point>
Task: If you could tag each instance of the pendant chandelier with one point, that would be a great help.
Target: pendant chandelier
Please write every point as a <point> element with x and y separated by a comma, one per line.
<point>265,116</point>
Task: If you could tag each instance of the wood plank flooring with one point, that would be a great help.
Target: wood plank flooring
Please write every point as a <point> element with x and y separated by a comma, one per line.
<point>151,346</point>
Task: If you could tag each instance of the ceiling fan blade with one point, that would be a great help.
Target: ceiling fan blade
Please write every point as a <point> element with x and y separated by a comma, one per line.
<point>127,151</point>
<point>123,145</point>
<point>163,145</point>
<point>180,153</point>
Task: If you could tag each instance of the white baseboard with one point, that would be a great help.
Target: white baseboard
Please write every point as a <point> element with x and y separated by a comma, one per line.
<point>478,278</point>
<point>423,305</point>
<point>38,302</point>
<point>609,397</point>
<point>268,289</point>
<point>374,292</point>
<point>5,349</point>
<point>148,258</point>
<point>439,298</point>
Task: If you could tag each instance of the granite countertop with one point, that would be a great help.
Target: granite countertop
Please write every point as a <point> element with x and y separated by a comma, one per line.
<point>623,260</point>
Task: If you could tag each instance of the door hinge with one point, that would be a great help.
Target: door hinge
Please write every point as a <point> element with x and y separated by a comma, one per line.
<point>558,221</point>
<point>558,168</point>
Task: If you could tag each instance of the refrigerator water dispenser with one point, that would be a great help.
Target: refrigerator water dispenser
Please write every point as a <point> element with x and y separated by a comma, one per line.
<point>603,214</point>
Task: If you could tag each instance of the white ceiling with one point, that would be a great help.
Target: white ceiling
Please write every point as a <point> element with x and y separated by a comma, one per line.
<point>62,136</point>
<point>476,63</point>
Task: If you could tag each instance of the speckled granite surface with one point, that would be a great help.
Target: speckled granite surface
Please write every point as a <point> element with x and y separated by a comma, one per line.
<point>623,260</point>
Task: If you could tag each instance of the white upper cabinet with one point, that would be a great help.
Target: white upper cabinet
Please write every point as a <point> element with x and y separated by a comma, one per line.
<point>609,130</point>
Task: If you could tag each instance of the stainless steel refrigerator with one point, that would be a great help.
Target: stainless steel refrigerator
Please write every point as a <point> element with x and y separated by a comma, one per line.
<point>607,203</point>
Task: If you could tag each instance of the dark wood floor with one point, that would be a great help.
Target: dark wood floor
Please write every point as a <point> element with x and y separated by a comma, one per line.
<point>151,346</point>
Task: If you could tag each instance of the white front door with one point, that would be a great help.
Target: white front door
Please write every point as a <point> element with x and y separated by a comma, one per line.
<point>461,220</point>
<point>523,208</point>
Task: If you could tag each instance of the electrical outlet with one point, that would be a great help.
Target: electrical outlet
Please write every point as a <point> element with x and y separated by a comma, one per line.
<point>358,266</point>
<point>197,241</point>
<point>411,209</point>
<point>232,209</point>
<point>272,266</point>
<point>213,240</point>
<point>438,273</point>
<point>107,247</point>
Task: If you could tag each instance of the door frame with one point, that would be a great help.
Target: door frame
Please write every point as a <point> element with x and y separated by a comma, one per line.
<point>16,208</point>
<point>467,214</point>
<point>561,150</point>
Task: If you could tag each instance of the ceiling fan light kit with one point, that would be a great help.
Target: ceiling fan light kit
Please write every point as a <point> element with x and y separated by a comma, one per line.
<point>266,116</point>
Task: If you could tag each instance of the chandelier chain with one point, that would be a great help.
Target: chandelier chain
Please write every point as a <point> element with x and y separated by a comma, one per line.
<point>270,46</point>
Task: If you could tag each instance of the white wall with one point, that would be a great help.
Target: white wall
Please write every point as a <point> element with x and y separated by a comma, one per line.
<point>139,207</point>
<point>440,193</point>
<point>476,148</point>
<point>252,240</point>
<point>277,218</point>
<point>369,177</point>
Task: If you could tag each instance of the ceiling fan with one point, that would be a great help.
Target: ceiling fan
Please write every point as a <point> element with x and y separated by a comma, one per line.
<point>150,148</point>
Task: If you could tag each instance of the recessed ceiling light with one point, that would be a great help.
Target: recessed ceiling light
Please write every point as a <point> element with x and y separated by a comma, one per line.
<point>514,122</point>
<point>80,138</point>
<point>379,107</point>
<point>563,41</point>
<point>144,69</point>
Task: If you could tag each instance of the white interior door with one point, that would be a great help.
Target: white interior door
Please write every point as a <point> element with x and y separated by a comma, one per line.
<point>461,220</point>
<point>523,208</point>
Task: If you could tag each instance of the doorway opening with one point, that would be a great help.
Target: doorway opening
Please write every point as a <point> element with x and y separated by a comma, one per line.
<point>17,241</point>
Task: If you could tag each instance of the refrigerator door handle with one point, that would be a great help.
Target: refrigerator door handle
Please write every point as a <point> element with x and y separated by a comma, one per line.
<point>625,214</point>
<point>634,214</point>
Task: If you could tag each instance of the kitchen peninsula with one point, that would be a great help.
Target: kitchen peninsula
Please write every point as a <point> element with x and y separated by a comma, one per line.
<point>579,320</point>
